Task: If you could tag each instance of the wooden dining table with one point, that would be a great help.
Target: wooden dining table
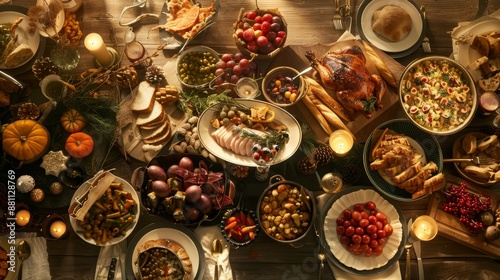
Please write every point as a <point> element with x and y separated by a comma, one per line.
<point>309,23</point>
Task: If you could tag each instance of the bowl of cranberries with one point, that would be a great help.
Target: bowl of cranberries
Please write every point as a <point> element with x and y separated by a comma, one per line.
<point>279,87</point>
<point>260,33</point>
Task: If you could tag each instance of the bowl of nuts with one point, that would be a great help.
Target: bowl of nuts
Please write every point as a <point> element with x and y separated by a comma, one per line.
<point>286,210</point>
<point>280,88</point>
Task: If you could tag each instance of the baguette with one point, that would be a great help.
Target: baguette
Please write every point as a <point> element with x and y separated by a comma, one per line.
<point>317,114</point>
<point>382,69</point>
<point>318,91</point>
<point>330,116</point>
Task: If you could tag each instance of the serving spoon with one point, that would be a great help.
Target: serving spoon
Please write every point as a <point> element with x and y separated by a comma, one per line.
<point>302,72</point>
<point>216,253</point>
<point>23,252</point>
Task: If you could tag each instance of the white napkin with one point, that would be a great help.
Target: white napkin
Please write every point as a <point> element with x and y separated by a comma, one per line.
<point>106,254</point>
<point>36,267</point>
<point>207,235</point>
<point>391,273</point>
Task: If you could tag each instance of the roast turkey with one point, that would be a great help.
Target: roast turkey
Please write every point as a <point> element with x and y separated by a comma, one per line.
<point>344,71</point>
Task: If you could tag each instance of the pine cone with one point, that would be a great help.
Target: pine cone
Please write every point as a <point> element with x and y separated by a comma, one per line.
<point>28,110</point>
<point>127,77</point>
<point>350,173</point>
<point>306,166</point>
<point>43,67</point>
<point>155,74</point>
<point>322,155</point>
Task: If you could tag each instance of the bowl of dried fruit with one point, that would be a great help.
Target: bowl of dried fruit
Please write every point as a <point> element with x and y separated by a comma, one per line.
<point>260,33</point>
<point>285,210</point>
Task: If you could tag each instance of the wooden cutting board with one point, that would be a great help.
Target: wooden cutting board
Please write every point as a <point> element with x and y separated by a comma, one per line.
<point>449,225</point>
<point>361,127</point>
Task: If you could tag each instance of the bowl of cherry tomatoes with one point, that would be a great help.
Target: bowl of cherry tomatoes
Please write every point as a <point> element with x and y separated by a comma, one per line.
<point>260,33</point>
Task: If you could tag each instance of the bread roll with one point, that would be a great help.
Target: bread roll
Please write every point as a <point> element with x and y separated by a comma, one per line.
<point>392,23</point>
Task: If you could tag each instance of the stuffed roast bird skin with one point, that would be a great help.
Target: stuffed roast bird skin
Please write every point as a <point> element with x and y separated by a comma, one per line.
<point>345,72</point>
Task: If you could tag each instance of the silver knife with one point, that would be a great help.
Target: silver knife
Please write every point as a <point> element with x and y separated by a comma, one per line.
<point>418,251</point>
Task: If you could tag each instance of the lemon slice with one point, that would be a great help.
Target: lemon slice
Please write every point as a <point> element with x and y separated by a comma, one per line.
<point>270,115</point>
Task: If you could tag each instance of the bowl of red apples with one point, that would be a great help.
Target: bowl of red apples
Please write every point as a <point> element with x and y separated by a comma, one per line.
<point>260,33</point>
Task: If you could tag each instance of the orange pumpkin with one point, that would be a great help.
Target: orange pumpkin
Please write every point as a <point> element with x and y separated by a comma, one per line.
<point>25,140</point>
<point>79,145</point>
<point>73,121</point>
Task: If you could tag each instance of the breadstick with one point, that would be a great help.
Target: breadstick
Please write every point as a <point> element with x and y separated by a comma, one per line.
<point>330,116</point>
<point>317,114</point>
<point>321,93</point>
<point>384,72</point>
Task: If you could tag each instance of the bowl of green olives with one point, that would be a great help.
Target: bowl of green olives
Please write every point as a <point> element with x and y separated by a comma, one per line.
<point>196,66</point>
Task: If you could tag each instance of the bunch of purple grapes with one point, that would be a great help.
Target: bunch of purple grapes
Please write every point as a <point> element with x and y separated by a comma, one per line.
<point>466,206</point>
<point>232,67</point>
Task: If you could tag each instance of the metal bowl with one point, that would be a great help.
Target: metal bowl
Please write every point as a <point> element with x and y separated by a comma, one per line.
<point>438,95</point>
<point>308,207</point>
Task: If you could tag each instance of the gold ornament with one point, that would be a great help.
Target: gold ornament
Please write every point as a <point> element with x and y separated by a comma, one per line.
<point>54,162</point>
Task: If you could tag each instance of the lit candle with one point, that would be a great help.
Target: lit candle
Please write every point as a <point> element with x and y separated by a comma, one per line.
<point>341,142</point>
<point>96,46</point>
<point>247,88</point>
<point>424,228</point>
<point>57,229</point>
<point>23,217</point>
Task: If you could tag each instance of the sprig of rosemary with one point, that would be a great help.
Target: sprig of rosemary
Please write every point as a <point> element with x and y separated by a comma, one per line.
<point>269,140</point>
<point>193,104</point>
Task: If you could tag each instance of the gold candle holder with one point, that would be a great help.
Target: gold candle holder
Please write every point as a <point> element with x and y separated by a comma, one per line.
<point>54,227</point>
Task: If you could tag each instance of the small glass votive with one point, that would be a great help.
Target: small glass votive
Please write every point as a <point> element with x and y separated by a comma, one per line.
<point>247,88</point>
<point>424,228</point>
<point>23,215</point>
<point>341,142</point>
<point>54,227</point>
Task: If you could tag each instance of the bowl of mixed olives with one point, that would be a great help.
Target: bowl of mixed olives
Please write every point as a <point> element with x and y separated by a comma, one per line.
<point>280,88</point>
<point>196,66</point>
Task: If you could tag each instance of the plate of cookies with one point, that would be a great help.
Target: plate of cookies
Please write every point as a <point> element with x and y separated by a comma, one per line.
<point>480,147</point>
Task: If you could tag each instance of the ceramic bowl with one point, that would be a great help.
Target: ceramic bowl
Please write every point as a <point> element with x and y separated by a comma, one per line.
<point>279,89</point>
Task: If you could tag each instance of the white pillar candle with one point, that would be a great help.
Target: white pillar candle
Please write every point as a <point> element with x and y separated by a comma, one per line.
<point>57,229</point>
<point>95,45</point>
<point>424,228</point>
<point>341,142</point>
<point>23,217</point>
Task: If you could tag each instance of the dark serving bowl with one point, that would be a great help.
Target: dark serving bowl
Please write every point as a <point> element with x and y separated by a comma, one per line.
<point>247,214</point>
<point>156,207</point>
<point>306,210</point>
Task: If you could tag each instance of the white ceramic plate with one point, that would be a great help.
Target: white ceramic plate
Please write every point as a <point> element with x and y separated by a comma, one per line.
<point>466,54</point>
<point>380,42</point>
<point>181,236</point>
<point>6,246</point>
<point>339,251</point>
<point>205,130</point>
<point>31,39</point>
<point>126,187</point>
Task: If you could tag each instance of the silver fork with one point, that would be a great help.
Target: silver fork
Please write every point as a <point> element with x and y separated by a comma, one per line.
<point>477,160</point>
<point>426,45</point>
<point>337,18</point>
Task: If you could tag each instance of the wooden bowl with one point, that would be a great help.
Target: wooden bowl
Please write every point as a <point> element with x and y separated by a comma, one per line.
<point>241,44</point>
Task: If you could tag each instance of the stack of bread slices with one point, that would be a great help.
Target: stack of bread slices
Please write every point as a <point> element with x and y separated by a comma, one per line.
<point>150,116</point>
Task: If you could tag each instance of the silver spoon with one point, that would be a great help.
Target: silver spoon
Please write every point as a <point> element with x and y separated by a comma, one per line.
<point>303,72</point>
<point>23,252</point>
<point>216,253</point>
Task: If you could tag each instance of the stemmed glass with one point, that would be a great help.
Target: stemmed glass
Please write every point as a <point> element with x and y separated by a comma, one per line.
<point>264,157</point>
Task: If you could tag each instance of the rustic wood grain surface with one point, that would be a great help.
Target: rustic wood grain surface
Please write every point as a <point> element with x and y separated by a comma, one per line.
<point>309,23</point>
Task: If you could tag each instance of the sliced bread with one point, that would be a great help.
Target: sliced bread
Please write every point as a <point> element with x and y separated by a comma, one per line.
<point>144,99</point>
<point>155,115</point>
<point>148,134</point>
<point>155,124</point>
<point>160,138</point>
